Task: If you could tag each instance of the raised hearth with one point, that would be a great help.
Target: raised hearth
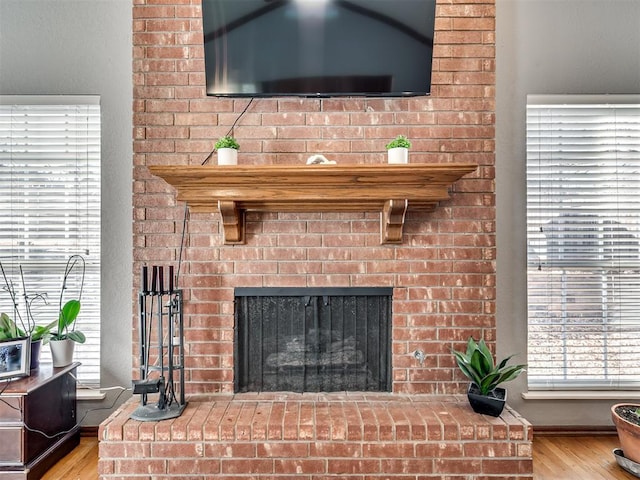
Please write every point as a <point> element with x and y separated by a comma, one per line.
<point>317,436</point>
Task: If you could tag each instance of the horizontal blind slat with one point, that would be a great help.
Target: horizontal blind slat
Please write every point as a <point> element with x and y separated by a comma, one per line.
<point>583,235</point>
<point>50,210</point>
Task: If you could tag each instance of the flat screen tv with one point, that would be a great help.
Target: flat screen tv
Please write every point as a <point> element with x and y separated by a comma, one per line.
<point>318,47</point>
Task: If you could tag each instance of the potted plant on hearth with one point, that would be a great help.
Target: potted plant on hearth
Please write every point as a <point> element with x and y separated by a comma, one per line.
<point>398,150</point>
<point>227,148</point>
<point>626,417</point>
<point>484,394</point>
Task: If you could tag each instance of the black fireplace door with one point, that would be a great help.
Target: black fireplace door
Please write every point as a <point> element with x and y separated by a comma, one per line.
<point>312,339</point>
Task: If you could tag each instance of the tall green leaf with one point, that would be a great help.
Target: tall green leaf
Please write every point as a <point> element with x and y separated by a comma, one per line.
<point>68,315</point>
<point>478,365</point>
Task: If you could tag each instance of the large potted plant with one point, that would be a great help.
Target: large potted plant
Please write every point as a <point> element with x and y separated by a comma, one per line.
<point>626,417</point>
<point>398,150</point>
<point>484,394</point>
<point>227,148</point>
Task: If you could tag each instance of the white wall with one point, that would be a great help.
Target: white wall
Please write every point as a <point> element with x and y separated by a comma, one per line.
<point>84,47</point>
<point>548,46</point>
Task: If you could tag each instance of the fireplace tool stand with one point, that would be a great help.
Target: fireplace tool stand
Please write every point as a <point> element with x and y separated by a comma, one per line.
<point>161,348</point>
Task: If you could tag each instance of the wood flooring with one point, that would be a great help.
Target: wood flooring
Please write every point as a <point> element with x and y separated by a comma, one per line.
<point>554,458</point>
<point>80,464</point>
<point>577,458</point>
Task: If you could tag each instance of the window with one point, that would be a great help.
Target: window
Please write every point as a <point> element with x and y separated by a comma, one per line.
<point>583,242</point>
<point>50,210</point>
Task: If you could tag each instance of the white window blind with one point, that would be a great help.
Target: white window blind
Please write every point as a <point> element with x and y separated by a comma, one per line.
<point>50,210</point>
<point>583,234</point>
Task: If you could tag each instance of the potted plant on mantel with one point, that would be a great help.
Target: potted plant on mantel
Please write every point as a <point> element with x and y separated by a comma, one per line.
<point>227,148</point>
<point>398,150</point>
<point>626,417</point>
<point>484,394</point>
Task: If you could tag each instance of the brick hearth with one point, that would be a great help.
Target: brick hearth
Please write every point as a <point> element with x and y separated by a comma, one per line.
<point>318,436</point>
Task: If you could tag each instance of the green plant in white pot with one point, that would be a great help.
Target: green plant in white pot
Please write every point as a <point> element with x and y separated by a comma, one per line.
<point>398,150</point>
<point>484,394</point>
<point>62,335</point>
<point>227,148</point>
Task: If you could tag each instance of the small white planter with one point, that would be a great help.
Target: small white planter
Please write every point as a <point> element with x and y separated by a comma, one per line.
<point>398,155</point>
<point>227,156</point>
<point>62,352</point>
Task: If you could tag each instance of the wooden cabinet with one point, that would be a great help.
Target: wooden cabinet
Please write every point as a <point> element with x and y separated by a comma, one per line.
<point>38,423</point>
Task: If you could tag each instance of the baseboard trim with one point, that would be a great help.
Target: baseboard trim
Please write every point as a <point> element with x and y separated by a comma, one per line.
<point>89,432</point>
<point>574,430</point>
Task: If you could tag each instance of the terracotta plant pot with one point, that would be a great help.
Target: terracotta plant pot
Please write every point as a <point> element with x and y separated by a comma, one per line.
<point>487,404</point>
<point>62,352</point>
<point>628,430</point>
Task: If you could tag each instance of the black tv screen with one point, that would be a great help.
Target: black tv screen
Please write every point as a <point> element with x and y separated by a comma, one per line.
<point>318,47</point>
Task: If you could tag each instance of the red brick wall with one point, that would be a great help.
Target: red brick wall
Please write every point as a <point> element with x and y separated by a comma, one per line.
<point>443,272</point>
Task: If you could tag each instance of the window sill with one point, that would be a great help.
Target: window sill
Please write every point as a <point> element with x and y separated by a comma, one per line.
<point>85,394</point>
<point>582,395</point>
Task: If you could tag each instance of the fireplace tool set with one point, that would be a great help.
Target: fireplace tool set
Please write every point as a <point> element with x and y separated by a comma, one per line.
<point>161,347</point>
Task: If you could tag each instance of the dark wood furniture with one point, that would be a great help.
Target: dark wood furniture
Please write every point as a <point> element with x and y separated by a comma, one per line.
<point>389,189</point>
<point>38,424</point>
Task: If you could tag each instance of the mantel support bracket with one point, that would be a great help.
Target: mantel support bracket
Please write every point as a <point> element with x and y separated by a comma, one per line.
<point>233,222</point>
<point>390,190</point>
<point>392,220</point>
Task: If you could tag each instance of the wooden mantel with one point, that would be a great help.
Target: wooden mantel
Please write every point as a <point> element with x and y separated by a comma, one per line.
<point>389,189</point>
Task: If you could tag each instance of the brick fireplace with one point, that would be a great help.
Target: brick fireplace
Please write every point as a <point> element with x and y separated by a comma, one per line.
<point>442,274</point>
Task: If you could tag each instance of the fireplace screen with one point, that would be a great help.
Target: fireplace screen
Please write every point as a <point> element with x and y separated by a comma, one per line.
<point>313,339</point>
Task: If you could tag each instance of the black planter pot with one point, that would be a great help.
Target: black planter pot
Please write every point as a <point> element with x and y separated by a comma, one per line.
<point>35,354</point>
<point>492,404</point>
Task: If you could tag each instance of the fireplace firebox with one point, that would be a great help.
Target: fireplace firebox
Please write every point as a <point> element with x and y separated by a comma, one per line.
<point>313,339</point>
